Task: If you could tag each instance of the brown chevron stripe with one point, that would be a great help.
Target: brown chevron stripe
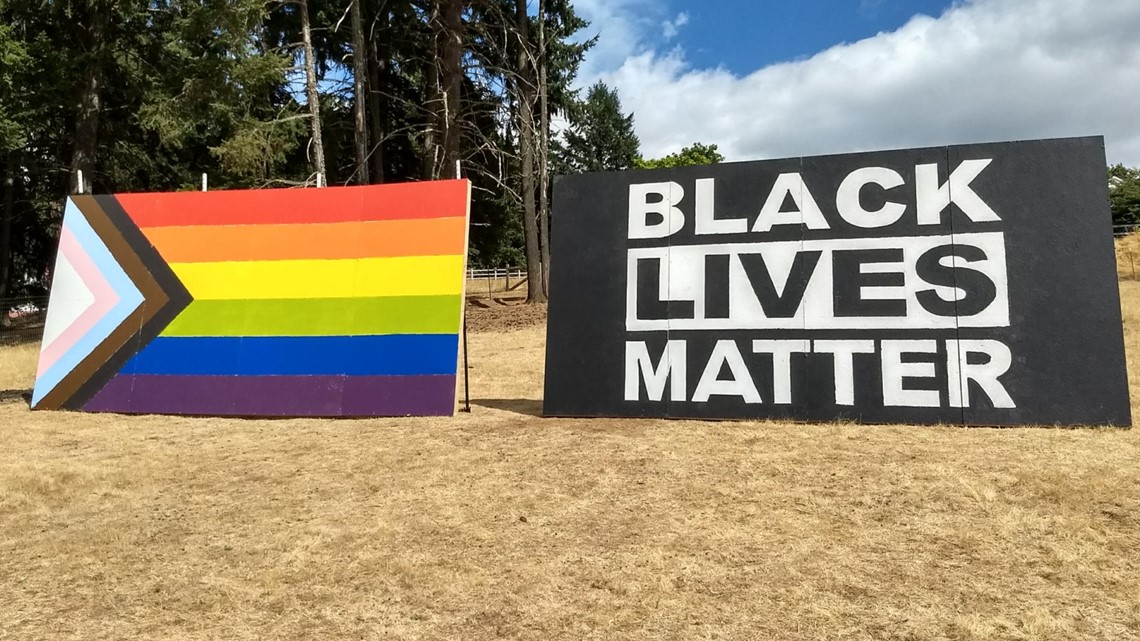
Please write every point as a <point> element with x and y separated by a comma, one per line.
<point>173,300</point>
<point>163,297</point>
<point>137,273</point>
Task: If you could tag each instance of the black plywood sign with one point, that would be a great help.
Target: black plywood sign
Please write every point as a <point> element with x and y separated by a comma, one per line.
<point>970,284</point>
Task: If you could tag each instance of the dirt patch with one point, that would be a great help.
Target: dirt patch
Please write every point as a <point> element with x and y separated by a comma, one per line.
<point>503,314</point>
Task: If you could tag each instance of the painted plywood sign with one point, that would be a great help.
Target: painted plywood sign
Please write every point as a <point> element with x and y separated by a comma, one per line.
<point>286,302</point>
<point>967,284</point>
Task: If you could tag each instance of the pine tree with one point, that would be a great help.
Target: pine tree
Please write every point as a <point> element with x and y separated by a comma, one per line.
<point>13,61</point>
<point>1124,194</point>
<point>600,137</point>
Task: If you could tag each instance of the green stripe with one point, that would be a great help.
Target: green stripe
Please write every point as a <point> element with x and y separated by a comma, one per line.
<point>319,317</point>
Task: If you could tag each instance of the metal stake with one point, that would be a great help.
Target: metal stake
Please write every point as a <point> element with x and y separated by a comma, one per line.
<point>466,369</point>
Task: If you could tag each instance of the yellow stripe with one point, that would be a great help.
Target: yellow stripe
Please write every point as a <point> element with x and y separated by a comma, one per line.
<point>349,278</point>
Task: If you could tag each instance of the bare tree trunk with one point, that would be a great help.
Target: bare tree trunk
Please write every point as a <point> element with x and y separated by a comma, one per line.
<point>441,148</point>
<point>430,161</point>
<point>359,64</point>
<point>377,103</point>
<point>7,215</point>
<point>451,76</point>
<point>543,152</point>
<point>93,40</point>
<point>312,96</point>
<point>525,91</point>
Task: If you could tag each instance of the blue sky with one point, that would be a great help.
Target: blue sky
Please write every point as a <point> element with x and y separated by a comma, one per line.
<point>746,35</point>
<point>783,78</point>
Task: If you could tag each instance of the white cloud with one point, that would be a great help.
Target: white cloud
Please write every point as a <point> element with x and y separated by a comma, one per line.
<point>670,28</point>
<point>985,70</point>
<point>624,28</point>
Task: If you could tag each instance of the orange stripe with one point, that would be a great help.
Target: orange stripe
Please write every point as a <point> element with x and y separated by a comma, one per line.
<point>429,199</point>
<point>221,243</point>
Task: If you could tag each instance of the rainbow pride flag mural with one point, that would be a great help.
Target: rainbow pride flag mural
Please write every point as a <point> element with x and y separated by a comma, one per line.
<point>279,302</point>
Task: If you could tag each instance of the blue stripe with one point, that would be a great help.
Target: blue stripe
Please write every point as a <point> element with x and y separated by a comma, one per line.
<point>390,355</point>
<point>129,300</point>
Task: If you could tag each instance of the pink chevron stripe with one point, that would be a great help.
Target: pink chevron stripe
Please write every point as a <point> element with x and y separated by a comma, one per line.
<point>101,290</point>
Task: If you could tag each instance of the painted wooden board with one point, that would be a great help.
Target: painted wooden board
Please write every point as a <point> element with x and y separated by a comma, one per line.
<point>321,302</point>
<point>969,284</point>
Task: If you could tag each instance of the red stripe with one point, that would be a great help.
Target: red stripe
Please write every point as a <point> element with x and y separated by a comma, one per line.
<point>434,199</point>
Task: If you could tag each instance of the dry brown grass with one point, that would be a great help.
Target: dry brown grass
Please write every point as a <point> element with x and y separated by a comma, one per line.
<point>1128,257</point>
<point>18,365</point>
<point>499,524</point>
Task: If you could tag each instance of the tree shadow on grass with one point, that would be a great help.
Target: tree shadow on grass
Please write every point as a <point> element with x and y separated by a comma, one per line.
<point>14,337</point>
<point>525,406</point>
<point>14,395</point>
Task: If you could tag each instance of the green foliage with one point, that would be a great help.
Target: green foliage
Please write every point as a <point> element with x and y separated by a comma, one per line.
<point>212,86</point>
<point>14,62</point>
<point>695,154</point>
<point>1124,194</point>
<point>184,88</point>
<point>600,137</point>
<point>218,104</point>
<point>565,53</point>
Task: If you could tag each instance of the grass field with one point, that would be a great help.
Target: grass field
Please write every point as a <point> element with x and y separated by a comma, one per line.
<point>500,524</point>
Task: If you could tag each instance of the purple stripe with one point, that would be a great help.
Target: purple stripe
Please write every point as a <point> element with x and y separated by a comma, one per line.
<point>432,395</point>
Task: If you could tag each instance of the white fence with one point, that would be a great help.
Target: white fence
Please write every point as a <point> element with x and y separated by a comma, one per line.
<point>505,282</point>
<point>514,273</point>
